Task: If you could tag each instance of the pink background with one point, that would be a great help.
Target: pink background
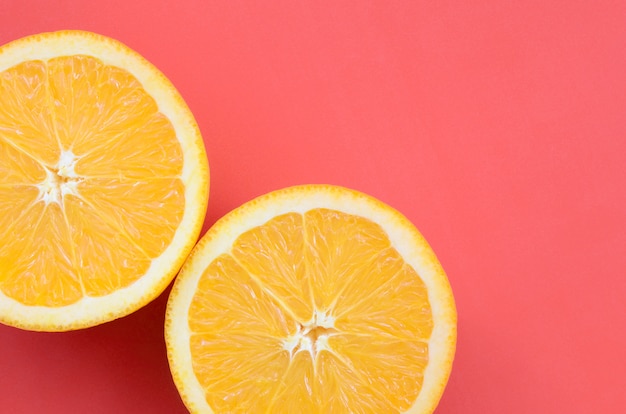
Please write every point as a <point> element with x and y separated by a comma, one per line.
<point>498,128</point>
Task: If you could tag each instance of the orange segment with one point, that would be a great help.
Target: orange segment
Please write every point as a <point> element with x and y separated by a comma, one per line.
<point>398,306</point>
<point>394,378</point>
<point>227,289</point>
<point>21,227</point>
<point>336,261</point>
<point>312,299</point>
<point>243,382</point>
<point>294,393</point>
<point>15,203</point>
<point>105,117</point>
<point>282,236</point>
<point>94,102</point>
<point>340,389</point>
<point>18,167</point>
<point>253,358</point>
<point>46,276</point>
<point>147,212</point>
<point>26,119</point>
<point>103,182</point>
<point>105,257</point>
<point>124,153</point>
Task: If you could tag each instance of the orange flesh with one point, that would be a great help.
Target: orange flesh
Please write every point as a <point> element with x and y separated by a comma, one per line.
<point>90,188</point>
<point>312,313</point>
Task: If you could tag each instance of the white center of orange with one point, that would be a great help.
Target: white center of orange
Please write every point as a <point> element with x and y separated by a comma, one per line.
<point>312,336</point>
<point>60,180</point>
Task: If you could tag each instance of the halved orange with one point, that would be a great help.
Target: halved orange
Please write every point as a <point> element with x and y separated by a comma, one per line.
<point>311,299</point>
<point>103,181</point>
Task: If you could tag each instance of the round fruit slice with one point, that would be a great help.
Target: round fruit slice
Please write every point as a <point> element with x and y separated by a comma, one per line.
<point>103,181</point>
<point>311,299</point>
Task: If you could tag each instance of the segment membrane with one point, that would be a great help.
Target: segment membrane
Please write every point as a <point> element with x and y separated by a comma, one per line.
<point>399,309</point>
<point>274,255</point>
<point>341,251</point>
<point>236,339</point>
<point>295,393</point>
<point>228,300</point>
<point>17,167</point>
<point>341,389</point>
<point>393,367</point>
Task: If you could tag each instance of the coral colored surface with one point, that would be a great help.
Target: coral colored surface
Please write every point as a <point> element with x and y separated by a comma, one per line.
<point>497,127</point>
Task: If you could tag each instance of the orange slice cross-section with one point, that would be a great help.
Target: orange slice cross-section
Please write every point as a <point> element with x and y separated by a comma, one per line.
<point>103,181</point>
<point>312,299</point>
